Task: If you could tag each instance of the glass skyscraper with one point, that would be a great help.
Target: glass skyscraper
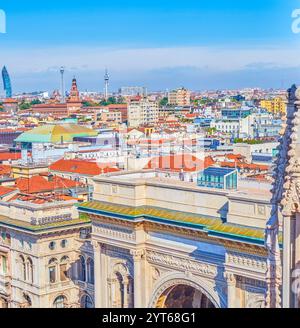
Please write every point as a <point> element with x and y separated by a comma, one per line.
<point>6,82</point>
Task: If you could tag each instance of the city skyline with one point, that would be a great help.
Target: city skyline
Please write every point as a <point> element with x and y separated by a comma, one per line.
<point>152,44</point>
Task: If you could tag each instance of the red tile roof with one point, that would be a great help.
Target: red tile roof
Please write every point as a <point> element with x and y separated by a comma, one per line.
<point>117,106</point>
<point>236,157</point>
<point>9,156</point>
<point>82,167</point>
<point>5,170</point>
<point>248,166</point>
<point>39,184</point>
<point>5,191</point>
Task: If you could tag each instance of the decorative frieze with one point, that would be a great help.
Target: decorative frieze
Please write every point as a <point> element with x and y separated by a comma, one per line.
<point>181,263</point>
<point>246,260</point>
<point>114,231</point>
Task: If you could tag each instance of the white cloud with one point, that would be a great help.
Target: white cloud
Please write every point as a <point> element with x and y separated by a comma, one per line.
<point>142,59</point>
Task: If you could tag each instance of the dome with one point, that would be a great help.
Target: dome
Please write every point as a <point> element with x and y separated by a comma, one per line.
<point>56,133</point>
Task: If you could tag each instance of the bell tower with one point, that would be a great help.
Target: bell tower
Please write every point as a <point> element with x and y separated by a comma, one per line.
<point>74,93</point>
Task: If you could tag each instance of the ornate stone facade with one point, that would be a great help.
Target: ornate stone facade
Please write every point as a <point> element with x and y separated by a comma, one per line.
<point>285,198</point>
<point>149,270</point>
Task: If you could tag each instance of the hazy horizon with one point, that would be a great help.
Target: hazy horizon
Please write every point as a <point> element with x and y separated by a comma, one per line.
<point>157,44</point>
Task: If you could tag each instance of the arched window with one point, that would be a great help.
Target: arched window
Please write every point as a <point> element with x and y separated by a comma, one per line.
<point>60,302</point>
<point>29,269</point>
<point>90,270</point>
<point>52,270</point>
<point>86,302</point>
<point>22,268</point>
<point>82,269</point>
<point>63,268</point>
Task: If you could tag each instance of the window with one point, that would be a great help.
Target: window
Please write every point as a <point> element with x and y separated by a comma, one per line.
<point>86,302</point>
<point>63,269</point>
<point>52,245</point>
<point>82,269</point>
<point>52,271</point>
<point>90,270</point>
<point>23,268</point>
<point>29,270</point>
<point>64,243</point>
<point>3,264</point>
<point>60,302</point>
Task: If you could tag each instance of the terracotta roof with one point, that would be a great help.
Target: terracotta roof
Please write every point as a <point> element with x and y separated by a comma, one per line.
<point>5,191</point>
<point>39,184</point>
<point>118,106</point>
<point>10,101</point>
<point>5,170</point>
<point>82,167</point>
<point>9,156</point>
<point>248,166</point>
<point>235,156</point>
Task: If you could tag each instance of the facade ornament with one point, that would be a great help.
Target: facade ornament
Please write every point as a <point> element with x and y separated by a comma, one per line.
<point>285,196</point>
<point>137,254</point>
<point>230,278</point>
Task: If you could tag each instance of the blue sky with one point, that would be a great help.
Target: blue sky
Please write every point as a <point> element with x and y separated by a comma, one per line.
<point>202,44</point>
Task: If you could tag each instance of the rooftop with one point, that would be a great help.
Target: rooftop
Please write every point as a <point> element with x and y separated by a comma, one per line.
<point>83,167</point>
<point>212,226</point>
<point>56,133</point>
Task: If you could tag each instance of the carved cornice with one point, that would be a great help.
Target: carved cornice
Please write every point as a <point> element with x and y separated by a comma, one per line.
<point>186,232</point>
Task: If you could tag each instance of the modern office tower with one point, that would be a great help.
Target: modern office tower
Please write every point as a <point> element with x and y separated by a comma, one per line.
<point>106,82</point>
<point>180,97</point>
<point>62,72</point>
<point>6,82</point>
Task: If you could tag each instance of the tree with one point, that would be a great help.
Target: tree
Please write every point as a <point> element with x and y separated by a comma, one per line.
<point>24,105</point>
<point>35,102</point>
<point>163,102</point>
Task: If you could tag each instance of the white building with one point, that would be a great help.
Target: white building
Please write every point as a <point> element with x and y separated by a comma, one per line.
<point>142,112</point>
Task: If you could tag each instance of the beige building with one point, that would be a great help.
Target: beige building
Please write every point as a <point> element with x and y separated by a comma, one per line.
<point>164,243</point>
<point>180,97</point>
<point>46,259</point>
<point>142,112</point>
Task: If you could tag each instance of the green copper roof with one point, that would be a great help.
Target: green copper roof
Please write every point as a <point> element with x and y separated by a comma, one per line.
<point>213,226</point>
<point>23,225</point>
<point>56,133</point>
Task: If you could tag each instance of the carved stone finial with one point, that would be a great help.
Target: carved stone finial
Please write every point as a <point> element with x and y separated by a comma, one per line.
<point>297,93</point>
<point>292,93</point>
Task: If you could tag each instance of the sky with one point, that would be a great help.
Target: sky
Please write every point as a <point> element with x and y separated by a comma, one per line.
<point>159,44</point>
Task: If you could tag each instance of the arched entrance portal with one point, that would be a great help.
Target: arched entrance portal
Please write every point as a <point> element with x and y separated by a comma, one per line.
<point>183,296</point>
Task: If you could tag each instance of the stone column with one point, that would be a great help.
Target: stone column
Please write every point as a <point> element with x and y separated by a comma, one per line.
<point>286,277</point>
<point>104,276</point>
<point>138,287</point>
<point>296,273</point>
<point>231,289</point>
<point>97,274</point>
<point>125,293</point>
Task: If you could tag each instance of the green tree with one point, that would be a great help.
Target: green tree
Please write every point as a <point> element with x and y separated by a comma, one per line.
<point>163,102</point>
